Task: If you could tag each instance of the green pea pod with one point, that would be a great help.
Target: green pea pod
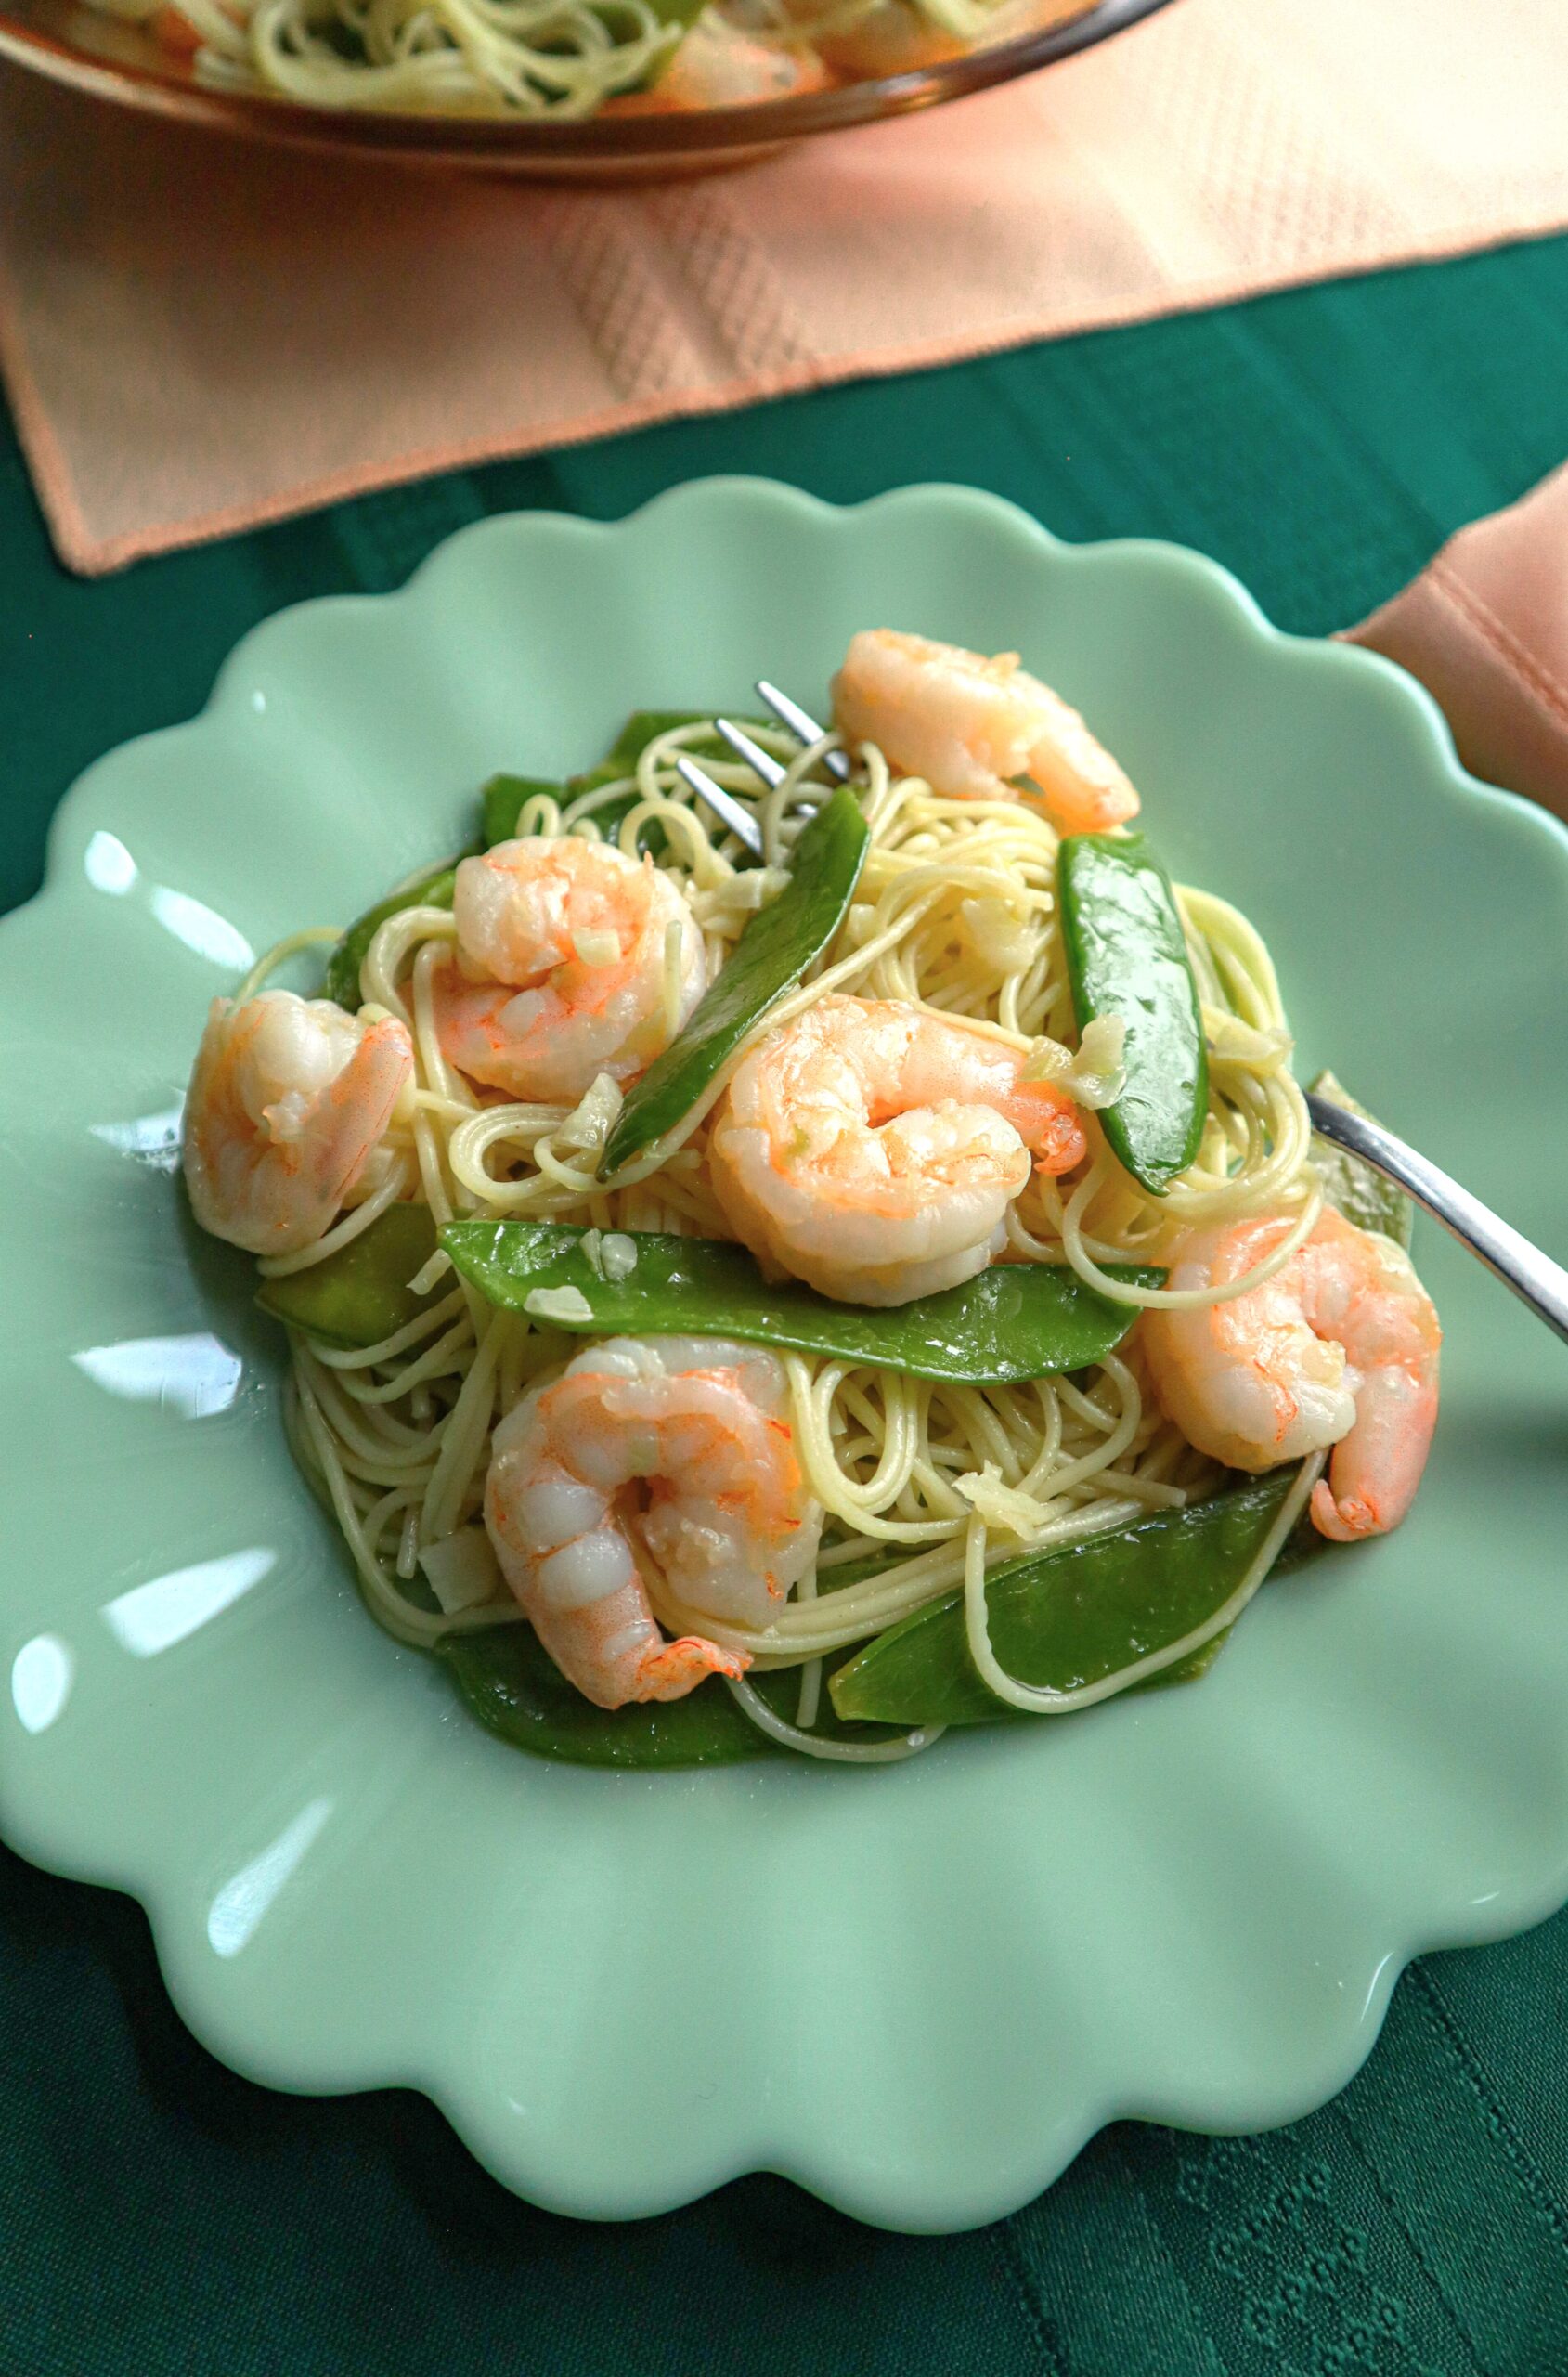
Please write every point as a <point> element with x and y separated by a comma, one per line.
<point>342,967</point>
<point>643,727</point>
<point>501,801</point>
<point>502,798</point>
<point>516,1689</point>
<point>504,795</point>
<point>511,1683</point>
<point>360,1294</point>
<point>1064,1619</point>
<point>1126,956</point>
<point>1365,1197</point>
<point>1018,1320</point>
<point>778,945</point>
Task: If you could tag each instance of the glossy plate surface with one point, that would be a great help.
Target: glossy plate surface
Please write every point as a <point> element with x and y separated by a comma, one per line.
<point>112,59</point>
<point>916,1989</point>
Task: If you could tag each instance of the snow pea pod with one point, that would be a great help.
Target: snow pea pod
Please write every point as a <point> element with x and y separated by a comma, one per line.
<point>1018,1320</point>
<point>516,1689</point>
<point>361,1293</point>
<point>504,795</point>
<point>501,801</point>
<point>1126,956</point>
<point>1365,1197</point>
<point>778,945</point>
<point>1068,1617</point>
<point>432,890</point>
<point>502,798</point>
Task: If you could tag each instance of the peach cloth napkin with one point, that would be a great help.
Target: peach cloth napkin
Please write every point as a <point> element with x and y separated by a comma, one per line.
<point>198,336</point>
<point>1485,629</point>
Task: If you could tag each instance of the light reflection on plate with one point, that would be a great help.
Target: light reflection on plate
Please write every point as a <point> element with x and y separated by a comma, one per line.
<point>152,1617</point>
<point>194,1375</point>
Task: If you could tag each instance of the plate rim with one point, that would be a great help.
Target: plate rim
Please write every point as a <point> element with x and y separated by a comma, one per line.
<point>1239,2107</point>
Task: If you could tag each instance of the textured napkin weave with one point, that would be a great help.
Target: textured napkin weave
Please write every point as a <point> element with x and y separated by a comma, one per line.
<point>199,336</point>
<point>1485,629</point>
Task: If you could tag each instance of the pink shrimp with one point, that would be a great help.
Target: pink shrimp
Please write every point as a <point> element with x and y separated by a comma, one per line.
<point>971,726</point>
<point>695,1431</point>
<point>288,1101</point>
<point>1339,1347</point>
<point>560,972</point>
<point>719,66</point>
<point>873,1148</point>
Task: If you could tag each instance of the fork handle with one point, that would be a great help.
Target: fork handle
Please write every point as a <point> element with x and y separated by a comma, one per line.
<point>1534,1277</point>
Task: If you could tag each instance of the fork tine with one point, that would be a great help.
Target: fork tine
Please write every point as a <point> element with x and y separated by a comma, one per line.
<point>800,721</point>
<point>724,805</point>
<point>768,768</point>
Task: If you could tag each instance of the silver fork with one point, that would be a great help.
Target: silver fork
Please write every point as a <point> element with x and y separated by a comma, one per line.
<point>1509,1256</point>
<point>1535,1279</point>
<point>740,820</point>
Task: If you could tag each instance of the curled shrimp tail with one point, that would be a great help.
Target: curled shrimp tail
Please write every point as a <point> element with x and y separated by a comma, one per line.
<point>676,1669</point>
<point>612,1650</point>
<point>358,1105</point>
<point>1346,1525</point>
<point>1050,1126</point>
<point>1376,1470</point>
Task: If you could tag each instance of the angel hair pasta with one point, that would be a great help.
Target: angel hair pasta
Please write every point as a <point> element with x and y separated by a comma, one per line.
<point>781,1268</point>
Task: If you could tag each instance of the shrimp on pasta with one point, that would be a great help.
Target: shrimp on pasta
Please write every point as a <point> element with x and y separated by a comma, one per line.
<point>571,961</point>
<point>671,1453</point>
<point>288,1106</point>
<point>873,1148</point>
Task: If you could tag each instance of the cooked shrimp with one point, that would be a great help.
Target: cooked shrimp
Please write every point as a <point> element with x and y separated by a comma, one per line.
<point>560,972</point>
<point>1339,1347</point>
<point>718,66</point>
<point>970,726</point>
<point>700,1427</point>
<point>288,1101</point>
<point>873,1148</point>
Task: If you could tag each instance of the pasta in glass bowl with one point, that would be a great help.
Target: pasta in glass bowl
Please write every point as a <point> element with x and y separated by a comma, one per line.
<point>572,88</point>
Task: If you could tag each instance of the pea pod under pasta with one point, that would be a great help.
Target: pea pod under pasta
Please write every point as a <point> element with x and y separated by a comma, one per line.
<point>361,1295</point>
<point>1366,1198</point>
<point>1071,1620</point>
<point>502,799</point>
<point>1016,1320</point>
<point>432,890</point>
<point>514,1688</point>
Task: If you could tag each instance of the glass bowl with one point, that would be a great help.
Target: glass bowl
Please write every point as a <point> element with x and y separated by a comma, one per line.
<point>111,59</point>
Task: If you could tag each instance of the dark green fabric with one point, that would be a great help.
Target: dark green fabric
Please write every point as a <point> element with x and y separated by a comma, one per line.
<point>157,2214</point>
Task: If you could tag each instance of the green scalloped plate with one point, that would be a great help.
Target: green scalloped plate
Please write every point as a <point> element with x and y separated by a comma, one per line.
<point>917,1989</point>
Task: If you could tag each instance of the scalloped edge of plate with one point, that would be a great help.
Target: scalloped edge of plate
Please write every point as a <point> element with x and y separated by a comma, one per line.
<point>1240,2101</point>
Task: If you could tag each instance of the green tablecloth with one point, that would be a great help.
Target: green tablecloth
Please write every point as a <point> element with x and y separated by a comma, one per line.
<point>157,2214</point>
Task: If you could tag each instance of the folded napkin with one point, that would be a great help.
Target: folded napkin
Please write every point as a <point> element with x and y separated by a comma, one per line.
<point>198,335</point>
<point>1485,629</point>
